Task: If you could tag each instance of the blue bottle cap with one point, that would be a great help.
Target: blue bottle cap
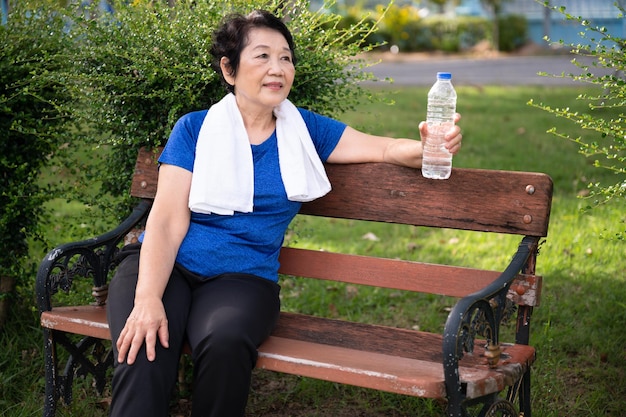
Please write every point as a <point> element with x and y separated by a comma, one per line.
<point>444,76</point>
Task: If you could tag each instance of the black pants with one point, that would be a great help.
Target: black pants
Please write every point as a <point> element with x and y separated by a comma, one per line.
<point>224,318</point>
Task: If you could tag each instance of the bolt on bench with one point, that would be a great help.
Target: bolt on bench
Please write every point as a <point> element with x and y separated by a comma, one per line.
<point>467,365</point>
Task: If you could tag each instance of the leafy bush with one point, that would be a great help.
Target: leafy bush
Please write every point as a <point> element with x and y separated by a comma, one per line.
<point>604,139</point>
<point>32,44</point>
<point>472,30</point>
<point>136,71</point>
<point>453,35</point>
<point>397,23</point>
<point>512,31</point>
<point>441,33</point>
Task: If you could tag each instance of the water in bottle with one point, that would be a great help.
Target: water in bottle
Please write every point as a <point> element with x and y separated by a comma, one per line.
<point>437,161</point>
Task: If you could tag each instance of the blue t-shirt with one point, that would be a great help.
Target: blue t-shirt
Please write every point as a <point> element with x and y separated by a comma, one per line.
<point>244,242</point>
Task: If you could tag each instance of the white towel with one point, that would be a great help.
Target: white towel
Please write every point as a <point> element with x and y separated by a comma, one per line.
<point>223,171</point>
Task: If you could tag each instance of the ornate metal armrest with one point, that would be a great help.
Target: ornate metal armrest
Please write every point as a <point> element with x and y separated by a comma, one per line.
<point>480,313</point>
<point>92,258</point>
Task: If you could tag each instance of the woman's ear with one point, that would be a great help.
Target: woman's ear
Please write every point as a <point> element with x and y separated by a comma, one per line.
<point>227,71</point>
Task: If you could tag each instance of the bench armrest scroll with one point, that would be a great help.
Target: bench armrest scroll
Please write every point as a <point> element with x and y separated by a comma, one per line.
<point>480,313</point>
<point>88,258</point>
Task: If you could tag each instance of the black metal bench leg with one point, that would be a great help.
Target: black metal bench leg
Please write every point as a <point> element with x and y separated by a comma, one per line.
<point>524,395</point>
<point>523,336</point>
<point>52,391</point>
<point>455,408</point>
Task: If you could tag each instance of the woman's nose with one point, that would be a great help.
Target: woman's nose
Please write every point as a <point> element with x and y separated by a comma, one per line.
<point>276,67</point>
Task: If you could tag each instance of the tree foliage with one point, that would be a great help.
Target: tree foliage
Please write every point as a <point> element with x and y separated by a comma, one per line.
<point>32,122</point>
<point>495,6</point>
<point>606,142</point>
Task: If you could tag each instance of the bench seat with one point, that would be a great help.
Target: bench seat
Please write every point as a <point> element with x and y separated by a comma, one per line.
<point>331,350</point>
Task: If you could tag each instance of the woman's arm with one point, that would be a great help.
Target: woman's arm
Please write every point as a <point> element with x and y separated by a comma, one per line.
<point>166,227</point>
<point>355,146</point>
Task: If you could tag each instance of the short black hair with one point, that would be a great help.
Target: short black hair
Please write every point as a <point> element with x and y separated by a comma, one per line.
<point>231,37</point>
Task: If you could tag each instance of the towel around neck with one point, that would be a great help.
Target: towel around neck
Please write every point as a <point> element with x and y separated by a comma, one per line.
<point>223,172</point>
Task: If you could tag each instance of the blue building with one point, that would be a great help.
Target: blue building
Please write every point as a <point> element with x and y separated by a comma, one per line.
<point>4,11</point>
<point>544,22</point>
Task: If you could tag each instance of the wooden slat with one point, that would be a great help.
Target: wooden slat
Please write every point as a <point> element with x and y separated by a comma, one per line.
<point>83,320</point>
<point>388,273</point>
<point>399,274</point>
<point>471,199</point>
<point>385,340</point>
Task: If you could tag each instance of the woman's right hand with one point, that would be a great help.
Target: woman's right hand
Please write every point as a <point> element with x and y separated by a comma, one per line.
<point>146,322</point>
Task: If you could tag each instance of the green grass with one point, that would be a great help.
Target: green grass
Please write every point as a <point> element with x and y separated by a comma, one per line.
<point>577,330</point>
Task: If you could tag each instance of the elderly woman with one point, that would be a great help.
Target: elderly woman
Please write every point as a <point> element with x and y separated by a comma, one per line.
<point>231,179</point>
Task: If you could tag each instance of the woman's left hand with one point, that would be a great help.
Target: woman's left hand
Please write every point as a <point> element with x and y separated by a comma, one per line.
<point>453,137</point>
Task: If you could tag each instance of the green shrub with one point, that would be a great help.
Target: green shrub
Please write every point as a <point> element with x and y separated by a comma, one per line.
<point>138,70</point>
<point>444,34</point>
<point>441,33</point>
<point>397,22</point>
<point>472,30</point>
<point>32,121</point>
<point>604,137</point>
<point>513,32</point>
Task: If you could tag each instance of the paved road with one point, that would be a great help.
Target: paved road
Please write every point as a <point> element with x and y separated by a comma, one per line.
<point>513,70</point>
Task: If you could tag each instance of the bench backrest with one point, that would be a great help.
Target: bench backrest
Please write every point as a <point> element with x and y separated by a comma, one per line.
<point>471,199</point>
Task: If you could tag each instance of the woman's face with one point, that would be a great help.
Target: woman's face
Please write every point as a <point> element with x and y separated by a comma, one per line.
<point>266,71</point>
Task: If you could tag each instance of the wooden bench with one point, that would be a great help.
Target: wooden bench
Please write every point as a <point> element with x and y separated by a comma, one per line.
<point>466,365</point>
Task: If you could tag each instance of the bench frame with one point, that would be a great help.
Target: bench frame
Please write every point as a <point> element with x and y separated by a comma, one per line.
<point>493,201</point>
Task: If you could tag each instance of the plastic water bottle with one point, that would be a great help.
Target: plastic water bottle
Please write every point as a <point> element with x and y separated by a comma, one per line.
<point>437,161</point>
